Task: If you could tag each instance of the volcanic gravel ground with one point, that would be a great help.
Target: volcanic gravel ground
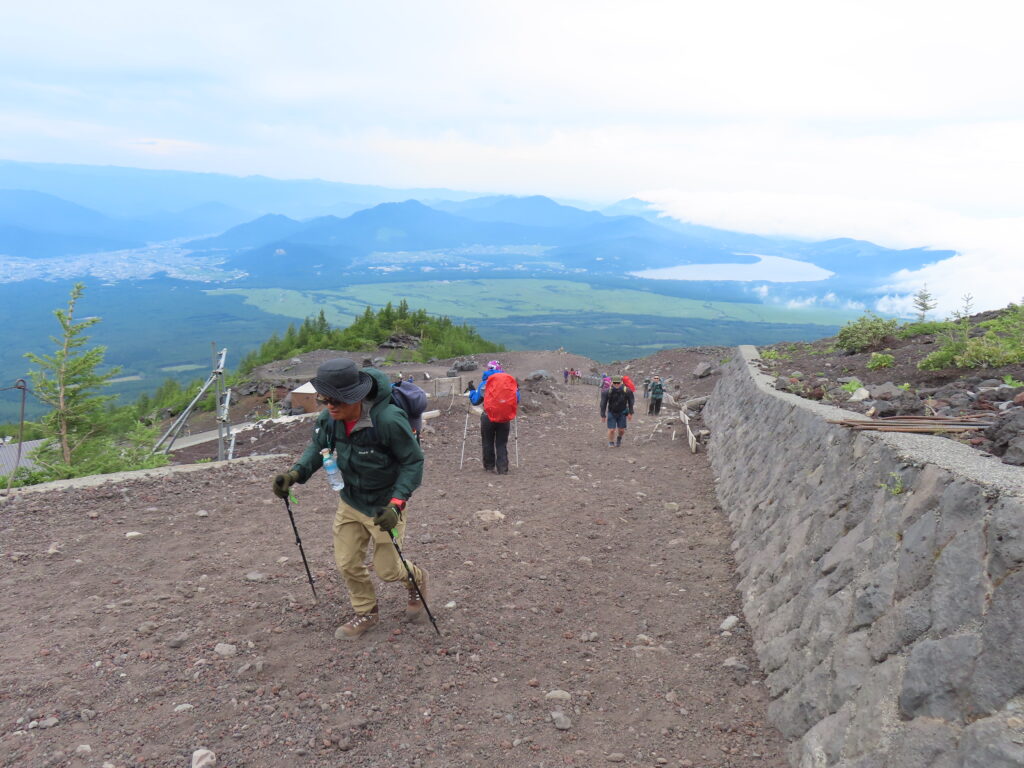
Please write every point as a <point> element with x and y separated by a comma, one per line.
<point>581,629</point>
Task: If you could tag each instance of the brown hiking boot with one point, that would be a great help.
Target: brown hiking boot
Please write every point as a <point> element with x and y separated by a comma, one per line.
<point>414,610</point>
<point>358,625</point>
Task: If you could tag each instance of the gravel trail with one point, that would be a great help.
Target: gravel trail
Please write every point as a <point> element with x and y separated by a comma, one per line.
<point>581,626</point>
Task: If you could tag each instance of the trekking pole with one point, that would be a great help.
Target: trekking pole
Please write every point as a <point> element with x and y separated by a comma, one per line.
<point>515,422</point>
<point>412,578</point>
<point>465,431</point>
<point>301,552</point>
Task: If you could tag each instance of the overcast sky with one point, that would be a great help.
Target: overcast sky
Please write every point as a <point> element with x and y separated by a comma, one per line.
<point>899,122</point>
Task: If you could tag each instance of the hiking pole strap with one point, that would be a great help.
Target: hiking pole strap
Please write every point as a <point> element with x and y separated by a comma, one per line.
<point>301,550</point>
<point>412,578</point>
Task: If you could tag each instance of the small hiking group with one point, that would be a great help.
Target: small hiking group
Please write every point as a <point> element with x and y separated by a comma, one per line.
<point>367,441</point>
<point>618,399</point>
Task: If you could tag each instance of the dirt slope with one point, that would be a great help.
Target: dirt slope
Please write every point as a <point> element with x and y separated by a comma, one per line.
<point>607,580</point>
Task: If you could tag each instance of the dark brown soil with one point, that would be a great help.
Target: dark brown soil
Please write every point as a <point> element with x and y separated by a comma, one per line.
<point>607,578</point>
<point>818,369</point>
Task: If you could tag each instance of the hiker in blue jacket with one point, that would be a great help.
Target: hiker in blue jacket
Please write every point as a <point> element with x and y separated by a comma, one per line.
<point>493,435</point>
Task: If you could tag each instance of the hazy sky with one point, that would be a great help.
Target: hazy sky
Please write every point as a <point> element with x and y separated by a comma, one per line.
<point>899,122</point>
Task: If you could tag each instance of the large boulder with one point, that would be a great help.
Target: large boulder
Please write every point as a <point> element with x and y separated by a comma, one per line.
<point>703,369</point>
<point>401,341</point>
<point>1007,436</point>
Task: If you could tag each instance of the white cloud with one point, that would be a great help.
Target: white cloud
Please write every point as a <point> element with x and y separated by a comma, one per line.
<point>167,146</point>
<point>895,122</point>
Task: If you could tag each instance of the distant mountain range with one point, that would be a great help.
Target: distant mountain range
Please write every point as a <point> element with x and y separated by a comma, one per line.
<point>533,233</point>
<point>261,224</point>
<point>136,192</point>
<point>174,260</point>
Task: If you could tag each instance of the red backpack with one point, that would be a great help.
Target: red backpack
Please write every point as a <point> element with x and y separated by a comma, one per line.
<point>500,401</point>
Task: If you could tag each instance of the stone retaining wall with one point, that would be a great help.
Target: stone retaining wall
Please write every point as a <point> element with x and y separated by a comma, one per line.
<point>882,578</point>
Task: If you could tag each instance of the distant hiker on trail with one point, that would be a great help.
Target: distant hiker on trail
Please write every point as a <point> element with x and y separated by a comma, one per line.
<point>565,376</point>
<point>499,394</point>
<point>657,393</point>
<point>606,381</point>
<point>381,465</point>
<point>617,403</point>
<point>647,386</point>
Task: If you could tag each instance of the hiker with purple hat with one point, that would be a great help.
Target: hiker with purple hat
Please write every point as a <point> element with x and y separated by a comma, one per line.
<point>381,465</point>
<point>498,393</point>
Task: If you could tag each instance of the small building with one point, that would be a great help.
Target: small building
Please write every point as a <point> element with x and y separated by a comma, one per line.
<point>9,455</point>
<point>304,397</point>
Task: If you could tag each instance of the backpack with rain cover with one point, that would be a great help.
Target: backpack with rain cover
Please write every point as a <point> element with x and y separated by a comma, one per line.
<point>500,401</point>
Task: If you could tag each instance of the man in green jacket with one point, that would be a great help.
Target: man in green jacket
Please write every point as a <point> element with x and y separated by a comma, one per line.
<point>657,393</point>
<point>381,464</point>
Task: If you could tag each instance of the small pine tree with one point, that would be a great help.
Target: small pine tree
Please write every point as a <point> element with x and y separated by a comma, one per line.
<point>68,381</point>
<point>84,435</point>
<point>924,303</point>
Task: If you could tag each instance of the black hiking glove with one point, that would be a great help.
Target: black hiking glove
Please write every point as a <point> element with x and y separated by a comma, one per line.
<point>283,482</point>
<point>388,517</point>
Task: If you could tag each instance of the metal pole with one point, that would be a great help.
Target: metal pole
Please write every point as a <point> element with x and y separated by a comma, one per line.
<point>412,578</point>
<point>516,423</point>
<point>465,431</point>
<point>302,552</point>
<point>175,428</point>
<point>220,424</point>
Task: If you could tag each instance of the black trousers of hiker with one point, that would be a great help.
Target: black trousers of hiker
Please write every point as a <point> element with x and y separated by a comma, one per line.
<point>655,407</point>
<point>495,443</point>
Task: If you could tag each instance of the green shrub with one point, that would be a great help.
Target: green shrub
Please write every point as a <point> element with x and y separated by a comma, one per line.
<point>880,360</point>
<point>1001,344</point>
<point>865,332</point>
<point>1009,381</point>
<point>910,330</point>
<point>852,386</point>
<point>774,354</point>
<point>943,357</point>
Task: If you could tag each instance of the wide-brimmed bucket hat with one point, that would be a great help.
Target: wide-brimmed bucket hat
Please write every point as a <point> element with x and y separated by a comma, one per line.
<point>340,379</point>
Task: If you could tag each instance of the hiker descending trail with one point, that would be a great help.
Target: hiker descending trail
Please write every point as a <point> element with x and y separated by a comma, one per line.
<point>581,601</point>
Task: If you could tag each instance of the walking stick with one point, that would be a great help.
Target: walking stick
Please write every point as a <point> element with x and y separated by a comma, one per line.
<point>465,431</point>
<point>412,578</point>
<point>516,423</point>
<point>299,542</point>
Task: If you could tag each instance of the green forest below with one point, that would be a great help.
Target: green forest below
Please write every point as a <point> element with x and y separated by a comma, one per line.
<point>87,431</point>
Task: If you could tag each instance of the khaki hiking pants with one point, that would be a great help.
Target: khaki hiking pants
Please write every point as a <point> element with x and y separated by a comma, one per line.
<point>352,533</point>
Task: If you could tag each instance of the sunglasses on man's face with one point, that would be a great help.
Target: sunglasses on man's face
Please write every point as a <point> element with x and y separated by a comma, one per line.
<point>330,401</point>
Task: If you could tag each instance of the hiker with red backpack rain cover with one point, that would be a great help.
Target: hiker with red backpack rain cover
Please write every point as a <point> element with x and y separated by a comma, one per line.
<point>499,394</point>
